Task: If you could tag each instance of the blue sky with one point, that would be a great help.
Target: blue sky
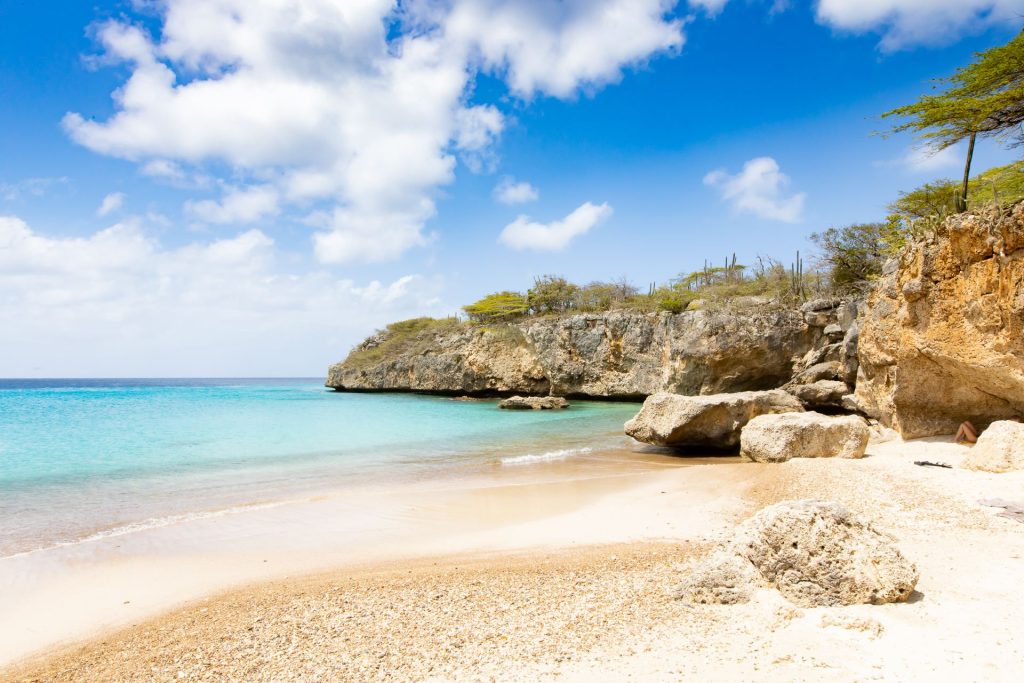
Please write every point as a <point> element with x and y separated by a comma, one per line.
<point>248,188</point>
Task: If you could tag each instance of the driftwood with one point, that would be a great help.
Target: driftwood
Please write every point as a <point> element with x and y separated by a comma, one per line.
<point>929,463</point>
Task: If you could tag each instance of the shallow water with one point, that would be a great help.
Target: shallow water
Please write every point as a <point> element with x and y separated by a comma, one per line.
<point>85,459</point>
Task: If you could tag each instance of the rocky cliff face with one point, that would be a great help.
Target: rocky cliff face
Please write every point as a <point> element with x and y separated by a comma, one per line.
<point>941,340</point>
<point>618,354</point>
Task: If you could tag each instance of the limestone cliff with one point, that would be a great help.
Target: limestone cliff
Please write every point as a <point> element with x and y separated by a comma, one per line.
<point>941,340</point>
<point>617,354</point>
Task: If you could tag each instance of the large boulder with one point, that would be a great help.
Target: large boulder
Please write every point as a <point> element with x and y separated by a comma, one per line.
<point>534,403</point>
<point>824,393</point>
<point>942,339</point>
<point>1000,448</point>
<point>712,421</point>
<point>814,552</point>
<point>777,438</point>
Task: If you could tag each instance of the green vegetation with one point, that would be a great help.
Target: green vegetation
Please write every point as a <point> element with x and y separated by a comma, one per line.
<point>499,307</point>
<point>984,98</point>
<point>404,337</point>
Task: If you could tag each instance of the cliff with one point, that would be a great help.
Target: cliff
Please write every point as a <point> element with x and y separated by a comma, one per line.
<point>616,354</point>
<point>941,340</point>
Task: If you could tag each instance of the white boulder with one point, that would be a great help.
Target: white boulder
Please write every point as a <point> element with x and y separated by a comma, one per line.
<point>777,438</point>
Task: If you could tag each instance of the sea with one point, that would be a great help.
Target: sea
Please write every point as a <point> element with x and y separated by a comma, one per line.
<point>88,459</point>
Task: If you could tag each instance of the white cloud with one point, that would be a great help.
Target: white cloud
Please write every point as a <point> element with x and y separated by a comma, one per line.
<point>336,107</point>
<point>525,234</point>
<point>759,189</point>
<point>112,202</point>
<point>508,191</point>
<point>246,205</point>
<point>923,160</point>
<point>710,7</point>
<point>33,187</point>
<point>553,48</point>
<point>118,303</point>
<point>904,23</point>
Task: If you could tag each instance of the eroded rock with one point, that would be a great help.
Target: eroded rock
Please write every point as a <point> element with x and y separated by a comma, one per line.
<point>942,339</point>
<point>534,403</point>
<point>816,553</point>
<point>711,421</point>
<point>777,438</point>
<point>1000,448</point>
<point>821,394</point>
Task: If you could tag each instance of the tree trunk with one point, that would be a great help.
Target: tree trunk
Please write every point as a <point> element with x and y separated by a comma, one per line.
<point>962,200</point>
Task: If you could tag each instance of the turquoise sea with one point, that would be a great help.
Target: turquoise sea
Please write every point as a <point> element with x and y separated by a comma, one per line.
<point>87,458</point>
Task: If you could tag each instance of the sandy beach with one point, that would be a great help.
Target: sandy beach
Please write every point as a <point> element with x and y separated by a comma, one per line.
<point>583,589</point>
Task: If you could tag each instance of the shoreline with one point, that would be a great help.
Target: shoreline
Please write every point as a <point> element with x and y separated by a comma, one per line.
<point>628,545</point>
<point>71,592</point>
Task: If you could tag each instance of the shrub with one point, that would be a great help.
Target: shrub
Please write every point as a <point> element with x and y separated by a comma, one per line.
<point>498,307</point>
<point>552,294</point>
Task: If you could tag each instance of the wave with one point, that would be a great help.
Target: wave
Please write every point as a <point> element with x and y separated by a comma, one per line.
<point>550,456</point>
<point>147,525</point>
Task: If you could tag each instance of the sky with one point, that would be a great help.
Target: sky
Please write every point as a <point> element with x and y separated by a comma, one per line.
<point>225,188</point>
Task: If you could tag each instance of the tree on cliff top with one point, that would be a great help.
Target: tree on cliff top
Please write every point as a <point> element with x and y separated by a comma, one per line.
<point>984,98</point>
<point>497,307</point>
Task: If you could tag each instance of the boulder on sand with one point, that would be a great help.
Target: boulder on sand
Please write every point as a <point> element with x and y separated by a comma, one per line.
<point>1000,448</point>
<point>814,552</point>
<point>712,421</point>
<point>777,438</point>
<point>534,403</point>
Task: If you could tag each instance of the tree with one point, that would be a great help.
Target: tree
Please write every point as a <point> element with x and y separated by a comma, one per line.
<point>551,294</point>
<point>984,98</point>
<point>855,253</point>
<point>497,307</point>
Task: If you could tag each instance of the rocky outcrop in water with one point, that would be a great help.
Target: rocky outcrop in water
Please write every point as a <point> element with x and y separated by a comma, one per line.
<point>942,340</point>
<point>534,403</point>
<point>617,354</point>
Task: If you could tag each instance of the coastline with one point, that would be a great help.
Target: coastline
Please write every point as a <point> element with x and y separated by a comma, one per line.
<point>605,563</point>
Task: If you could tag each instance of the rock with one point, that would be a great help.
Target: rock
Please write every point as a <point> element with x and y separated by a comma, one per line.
<point>831,370</point>
<point>711,421</point>
<point>818,318</point>
<point>777,438</point>
<point>846,313</point>
<point>814,552</point>
<point>834,332</point>
<point>814,305</point>
<point>824,393</point>
<point>942,337</point>
<point>616,354</point>
<point>534,403</point>
<point>723,578</point>
<point>1000,448</point>
<point>849,403</point>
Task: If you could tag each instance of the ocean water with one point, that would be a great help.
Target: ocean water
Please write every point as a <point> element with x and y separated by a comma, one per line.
<point>82,459</point>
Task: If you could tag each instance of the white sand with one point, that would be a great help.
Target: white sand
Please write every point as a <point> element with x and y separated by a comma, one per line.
<point>964,623</point>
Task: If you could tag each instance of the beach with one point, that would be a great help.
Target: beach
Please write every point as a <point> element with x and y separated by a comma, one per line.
<point>586,592</point>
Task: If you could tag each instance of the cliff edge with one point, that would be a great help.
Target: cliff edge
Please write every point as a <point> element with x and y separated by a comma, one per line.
<point>615,354</point>
<point>941,340</point>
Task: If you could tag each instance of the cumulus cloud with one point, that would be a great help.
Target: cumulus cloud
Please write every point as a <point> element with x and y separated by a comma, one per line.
<point>359,107</point>
<point>112,202</point>
<point>509,191</point>
<point>759,189</point>
<point>246,205</point>
<point>526,234</point>
<point>118,303</point>
<point>905,23</point>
